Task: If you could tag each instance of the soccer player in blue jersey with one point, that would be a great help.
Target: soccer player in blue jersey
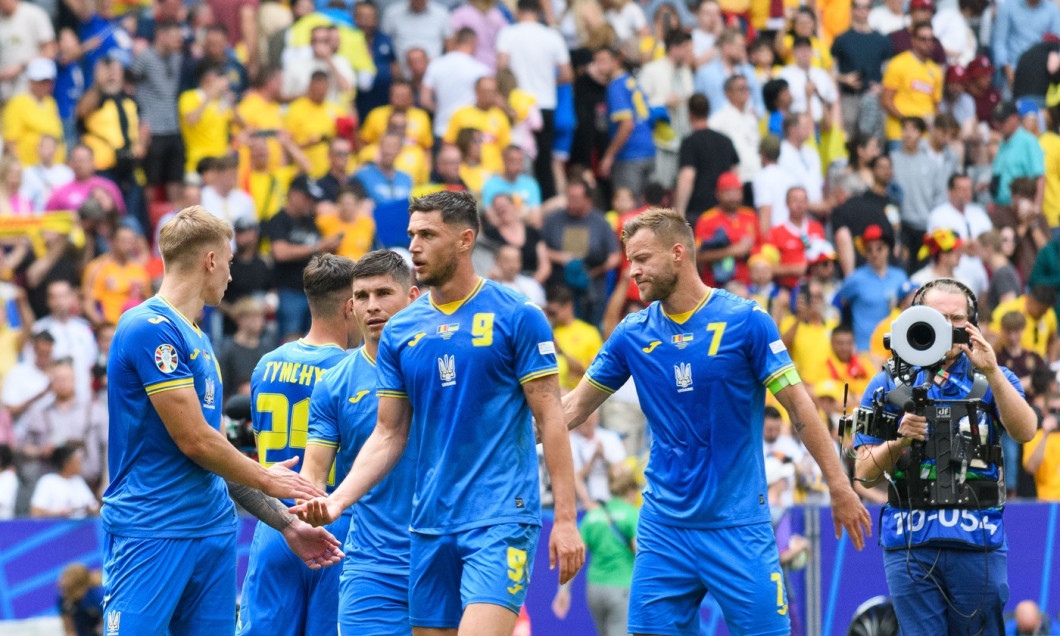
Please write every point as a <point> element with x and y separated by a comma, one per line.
<point>170,549</point>
<point>946,566</point>
<point>374,589</point>
<point>702,360</point>
<point>279,599</point>
<point>460,371</point>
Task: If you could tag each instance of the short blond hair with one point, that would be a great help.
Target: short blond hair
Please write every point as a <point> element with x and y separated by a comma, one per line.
<point>668,225</point>
<point>189,233</point>
<point>247,306</point>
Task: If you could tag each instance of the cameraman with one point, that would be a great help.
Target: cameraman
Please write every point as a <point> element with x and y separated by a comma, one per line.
<point>946,568</point>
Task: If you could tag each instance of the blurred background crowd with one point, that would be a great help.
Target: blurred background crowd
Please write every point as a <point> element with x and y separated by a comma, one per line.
<point>831,156</point>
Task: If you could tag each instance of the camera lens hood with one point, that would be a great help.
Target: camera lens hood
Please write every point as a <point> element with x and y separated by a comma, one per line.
<point>921,336</point>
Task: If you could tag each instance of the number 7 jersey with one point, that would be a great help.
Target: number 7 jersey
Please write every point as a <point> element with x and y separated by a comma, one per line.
<point>701,379</point>
<point>462,367</point>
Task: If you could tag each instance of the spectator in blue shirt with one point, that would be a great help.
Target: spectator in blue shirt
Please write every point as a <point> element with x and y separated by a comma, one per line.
<point>630,157</point>
<point>869,293</point>
<point>389,188</point>
<point>730,60</point>
<point>1019,25</point>
<point>524,188</point>
<point>366,17</point>
<point>1019,154</point>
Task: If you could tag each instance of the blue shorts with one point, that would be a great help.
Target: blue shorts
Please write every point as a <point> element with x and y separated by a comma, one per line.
<point>373,603</point>
<point>281,596</point>
<point>481,565</point>
<point>918,577</point>
<point>562,142</point>
<point>676,567</point>
<point>152,587</point>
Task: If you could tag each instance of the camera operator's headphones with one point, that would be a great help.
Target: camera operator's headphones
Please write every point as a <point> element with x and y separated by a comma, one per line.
<point>973,304</point>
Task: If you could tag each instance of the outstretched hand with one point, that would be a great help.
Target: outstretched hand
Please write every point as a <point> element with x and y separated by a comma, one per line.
<point>565,548</point>
<point>848,512</point>
<point>287,484</point>
<point>319,511</point>
<point>315,546</point>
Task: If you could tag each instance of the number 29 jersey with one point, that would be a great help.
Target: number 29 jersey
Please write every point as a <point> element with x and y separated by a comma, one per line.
<point>701,379</point>
<point>462,366</point>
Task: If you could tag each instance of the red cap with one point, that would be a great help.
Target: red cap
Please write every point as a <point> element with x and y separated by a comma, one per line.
<point>729,181</point>
<point>979,67</point>
<point>1051,37</point>
<point>922,4</point>
<point>872,233</point>
<point>956,75</point>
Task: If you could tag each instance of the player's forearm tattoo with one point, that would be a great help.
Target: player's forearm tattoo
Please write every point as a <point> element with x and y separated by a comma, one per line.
<point>797,425</point>
<point>268,509</point>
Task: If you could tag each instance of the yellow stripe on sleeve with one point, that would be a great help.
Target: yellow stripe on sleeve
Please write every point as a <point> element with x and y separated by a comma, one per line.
<point>538,374</point>
<point>169,385</point>
<point>313,441</point>
<point>392,394</point>
<point>597,385</point>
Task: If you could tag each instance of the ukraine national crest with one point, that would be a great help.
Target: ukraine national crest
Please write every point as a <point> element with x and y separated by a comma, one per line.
<point>683,376</point>
<point>113,623</point>
<point>208,398</point>
<point>447,370</point>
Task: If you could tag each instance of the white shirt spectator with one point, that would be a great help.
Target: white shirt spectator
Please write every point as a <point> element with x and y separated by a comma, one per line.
<point>64,496</point>
<point>742,128</point>
<point>22,34</point>
<point>452,78</point>
<point>74,340</point>
<point>783,447</point>
<point>952,31</point>
<point>534,52</point>
<point>702,42</point>
<point>38,182</point>
<point>627,22</point>
<point>883,21</point>
<point>803,165</point>
<point>234,205</point>
<point>299,67</point>
<point>797,78</point>
<point>613,452</point>
<point>8,493</point>
<point>427,29</point>
<point>971,224</point>
<point>528,287</point>
<point>21,383</point>
<point>770,187</point>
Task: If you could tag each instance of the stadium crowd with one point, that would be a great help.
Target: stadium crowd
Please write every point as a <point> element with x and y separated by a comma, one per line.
<point>831,157</point>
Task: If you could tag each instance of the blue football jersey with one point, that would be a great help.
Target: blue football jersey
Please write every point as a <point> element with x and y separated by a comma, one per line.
<point>701,378</point>
<point>280,391</point>
<point>342,414</point>
<point>462,366</point>
<point>155,490</point>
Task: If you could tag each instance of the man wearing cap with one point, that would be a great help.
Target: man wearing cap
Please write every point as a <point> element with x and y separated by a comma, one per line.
<point>870,291</point>
<point>32,114</point>
<point>943,247</point>
<point>956,101</point>
<point>980,73</point>
<point>26,32</point>
<point>1019,155</point>
<point>903,40</point>
<point>859,54</point>
<point>1019,25</point>
<point>912,85</point>
<point>295,240</point>
<point>726,234</point>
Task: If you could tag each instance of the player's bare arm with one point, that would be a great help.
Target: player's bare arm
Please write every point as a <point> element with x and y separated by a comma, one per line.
<point>380,453</point>
<point>181,413</point>
<point>565,546</point>
<point>580,403</point>
<point>317,464</point>
<point>847,509</point>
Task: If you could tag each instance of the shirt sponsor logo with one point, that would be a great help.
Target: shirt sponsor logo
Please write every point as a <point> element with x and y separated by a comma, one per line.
<point>416,339</point>
<point>166,358</point>
<point>546,348</point>
<point>683,376</point>
<point>357,398</point>
<point>447,370</point>
<point>651,347</point>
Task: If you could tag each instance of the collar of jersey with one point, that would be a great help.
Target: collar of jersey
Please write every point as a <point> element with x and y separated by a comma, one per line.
<point>683,317</point>
<point>177,312</point>
<point>306,343</point>
<point>450,308</point>
<point>367,356</point>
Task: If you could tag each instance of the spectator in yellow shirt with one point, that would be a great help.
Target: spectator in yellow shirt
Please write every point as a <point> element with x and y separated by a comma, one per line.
<point>843,364</point>
<point>205,116</point>
<point>352,221</point>
<point>912,85</point>
<point>487,118</point>
<point>412,160</point>
<point>418,126</point>
<point>806,334</point>
<point>259,112</point>
<point>112,279</point>
<point>266,184</point>
<point>31,115</point>
<point>311,120</point>
<point>1040,335</point>
<point>577,342</point>
<point>472,172</point>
